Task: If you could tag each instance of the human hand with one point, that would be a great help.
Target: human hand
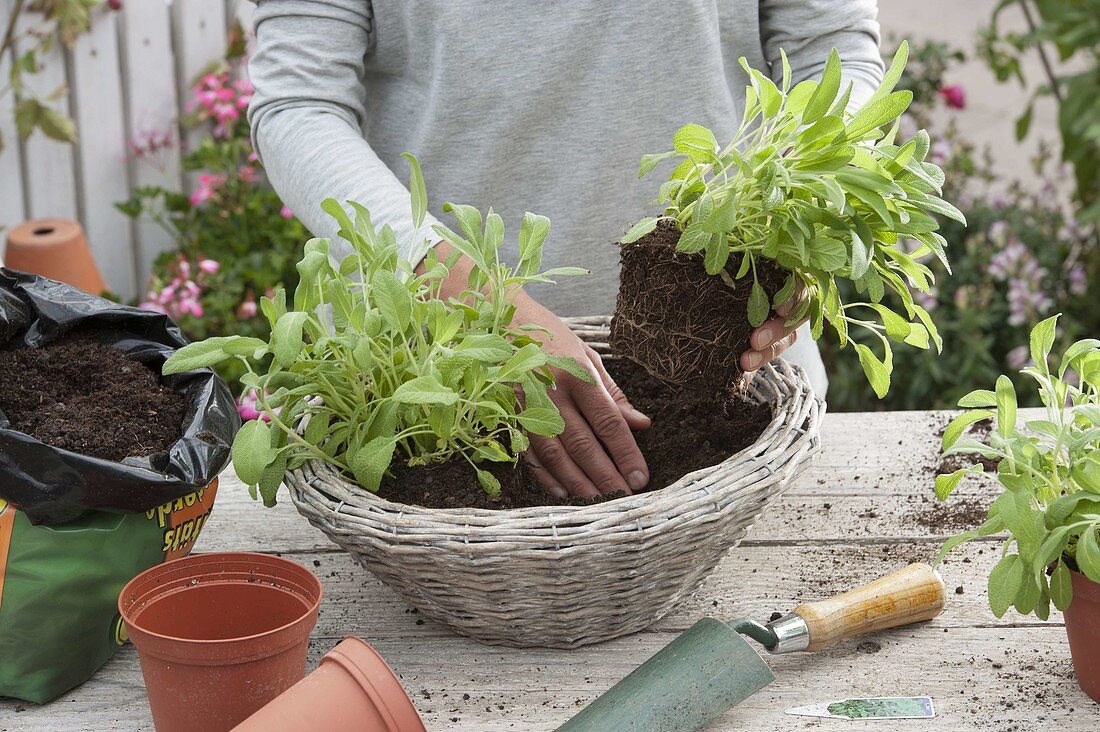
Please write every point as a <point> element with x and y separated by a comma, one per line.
<point>772,337</point>
<point>597,452</point>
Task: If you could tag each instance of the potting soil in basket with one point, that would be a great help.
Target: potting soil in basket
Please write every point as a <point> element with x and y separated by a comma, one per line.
<point>74,529</point>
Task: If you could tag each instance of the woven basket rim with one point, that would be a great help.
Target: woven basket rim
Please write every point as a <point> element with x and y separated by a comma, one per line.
<point>780,378</point>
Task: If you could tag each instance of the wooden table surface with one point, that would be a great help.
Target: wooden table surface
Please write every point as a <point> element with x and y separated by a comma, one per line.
<point>863,509</point>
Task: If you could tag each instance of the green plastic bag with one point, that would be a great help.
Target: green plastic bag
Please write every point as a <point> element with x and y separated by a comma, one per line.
<point>59,586</point>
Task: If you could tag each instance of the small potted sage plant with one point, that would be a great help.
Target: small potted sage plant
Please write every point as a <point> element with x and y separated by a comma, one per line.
<point>807,193</point>
<point>1049,471</point>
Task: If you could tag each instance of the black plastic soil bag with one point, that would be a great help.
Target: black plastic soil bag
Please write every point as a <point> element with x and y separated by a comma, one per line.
<point>51,485</point>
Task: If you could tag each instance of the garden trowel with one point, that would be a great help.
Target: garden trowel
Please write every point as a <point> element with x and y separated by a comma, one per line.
<point>710,667</point>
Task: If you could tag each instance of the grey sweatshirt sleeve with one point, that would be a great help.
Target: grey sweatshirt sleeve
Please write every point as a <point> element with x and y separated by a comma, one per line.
<point>808,29</point>
<point>307,115</point>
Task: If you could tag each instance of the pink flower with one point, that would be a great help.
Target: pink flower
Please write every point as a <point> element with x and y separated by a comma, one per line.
<point>286,213</point>
<point>155,307</point>
<point>191,306</point>
<point>1018,357</point>
<point>247,405</point>
<point>954,96</point>
<point>207,183</point>
<point>246,174</point>
<point>248,308</point>
<point>209,266</point>
<point>225,112</point>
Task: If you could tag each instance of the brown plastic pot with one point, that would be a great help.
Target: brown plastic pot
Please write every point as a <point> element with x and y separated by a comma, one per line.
<point>219,635</point>
<point>54,248</point>
<point>353,690</point>
<point>1083,628</point>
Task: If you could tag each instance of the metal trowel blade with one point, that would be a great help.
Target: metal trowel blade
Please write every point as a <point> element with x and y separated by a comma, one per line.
<point>689,682</point>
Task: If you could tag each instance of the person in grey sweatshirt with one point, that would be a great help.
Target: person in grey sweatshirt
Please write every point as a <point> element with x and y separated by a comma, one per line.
<point>532,105</point>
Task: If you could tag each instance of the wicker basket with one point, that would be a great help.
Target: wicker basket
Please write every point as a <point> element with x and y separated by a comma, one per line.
<point>567,576</point>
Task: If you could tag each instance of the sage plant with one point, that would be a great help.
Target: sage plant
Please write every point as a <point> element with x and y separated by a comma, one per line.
<point>371,364</point>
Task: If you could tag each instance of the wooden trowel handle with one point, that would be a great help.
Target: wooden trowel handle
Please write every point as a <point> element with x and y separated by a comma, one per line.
<point>909,595</point>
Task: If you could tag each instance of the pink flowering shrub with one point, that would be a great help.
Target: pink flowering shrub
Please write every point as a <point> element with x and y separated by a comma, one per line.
<point>235,240</point>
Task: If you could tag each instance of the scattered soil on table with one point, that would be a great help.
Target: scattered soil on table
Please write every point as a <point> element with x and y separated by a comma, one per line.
<point>683,325</point>
<point>690,431</point>
<point>956,514</point>
<point>81,395</point>
<point>979,431</point>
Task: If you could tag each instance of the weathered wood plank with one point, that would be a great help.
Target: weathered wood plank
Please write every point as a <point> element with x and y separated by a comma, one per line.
<point>200,34</point>
<point>103,178</point>
<point>50,170</point>
<point>979,678</point>
<point>149,78</point>
<point>12,202</point>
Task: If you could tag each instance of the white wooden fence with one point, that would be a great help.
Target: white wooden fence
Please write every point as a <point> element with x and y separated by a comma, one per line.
<point>131,74</point>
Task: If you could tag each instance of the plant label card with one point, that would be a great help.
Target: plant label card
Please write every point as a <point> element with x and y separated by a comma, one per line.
<point>882,707</point>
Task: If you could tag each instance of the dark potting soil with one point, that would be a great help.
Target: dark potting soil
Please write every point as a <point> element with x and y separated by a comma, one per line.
<point>81,395</point>
<point>683,325</point>
<point>689,431</point>
<point>955,514</point>
<point>978,431</point>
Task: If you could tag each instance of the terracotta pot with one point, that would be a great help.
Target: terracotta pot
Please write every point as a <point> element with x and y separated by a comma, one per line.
<point>54,248</point>
<point>353,690</point>
<point>219,635</point>
<point>1083,628</point>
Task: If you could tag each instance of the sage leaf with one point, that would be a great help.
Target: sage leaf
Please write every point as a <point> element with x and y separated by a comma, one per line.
<point>252,451</point>
<point>825,93</point>
<point>370,462</point>
<point>1088,554</point>
<point>639,230</point>
<point>489,482</point>
<point>424,390</point>
<point>1041,341</point>
<point>417,191</point>
<point>1006,406</point>
<point>393,299</point>
<point>542,421</point>
<point>272,479</point>
<point>286,338</point>
<point>758,306</point>
<point>1061,588</point>
<point>1004,583</point>
<point>877,372</point>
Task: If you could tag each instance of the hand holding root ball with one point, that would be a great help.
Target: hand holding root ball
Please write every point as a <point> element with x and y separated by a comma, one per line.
<point>597,452</point>
<point>773,337</point>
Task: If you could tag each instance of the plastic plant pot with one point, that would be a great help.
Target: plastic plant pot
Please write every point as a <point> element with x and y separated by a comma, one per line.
<point>54,248</point>
<point>353,690</point>
<point>1083,628</point>
<point>219,635</point>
